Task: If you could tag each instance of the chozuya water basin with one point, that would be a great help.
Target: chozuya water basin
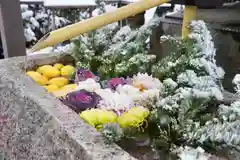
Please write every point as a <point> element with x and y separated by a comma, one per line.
<point>36,125</point>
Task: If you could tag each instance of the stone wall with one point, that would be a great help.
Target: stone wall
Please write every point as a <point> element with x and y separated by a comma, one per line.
<point>36,125</point>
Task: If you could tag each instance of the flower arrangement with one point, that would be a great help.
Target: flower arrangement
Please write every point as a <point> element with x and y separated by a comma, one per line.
<point>175,102</point>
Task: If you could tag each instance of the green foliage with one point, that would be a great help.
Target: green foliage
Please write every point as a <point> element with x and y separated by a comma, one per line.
<point>104,53</point>
<point>182,52</point>
<point>112,133</point>
<point>173,126</point>
<point>192,86</point>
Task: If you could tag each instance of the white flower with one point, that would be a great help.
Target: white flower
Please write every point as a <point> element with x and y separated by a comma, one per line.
<point>90,85</point>
<point>147,81</point>
<point>139,98</point>
<point>114,101</point>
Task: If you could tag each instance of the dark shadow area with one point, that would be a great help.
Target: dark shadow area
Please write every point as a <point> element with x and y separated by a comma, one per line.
<point>1,50</point>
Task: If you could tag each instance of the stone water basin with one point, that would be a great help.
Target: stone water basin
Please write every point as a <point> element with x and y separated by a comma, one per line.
<point>36,125</point>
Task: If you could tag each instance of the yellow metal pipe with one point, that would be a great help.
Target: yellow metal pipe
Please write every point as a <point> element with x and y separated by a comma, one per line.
<point>93,23</point>
<point>190,13</point>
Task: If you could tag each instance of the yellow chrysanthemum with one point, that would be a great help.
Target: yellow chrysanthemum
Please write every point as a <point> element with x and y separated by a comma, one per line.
<point>134,117</point>
<point>90,117</point>
<point>106,117</point>
<point>59,81</point>
<point>98,117</point>
<point>38,78</point>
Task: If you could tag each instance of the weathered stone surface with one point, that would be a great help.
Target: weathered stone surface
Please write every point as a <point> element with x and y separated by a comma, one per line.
<point>36,125</point>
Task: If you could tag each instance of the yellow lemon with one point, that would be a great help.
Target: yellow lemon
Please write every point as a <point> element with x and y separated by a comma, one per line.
<point>51,88</point>
<point>67,71</point>
<point>38,78</point>
<point>49,71</point>
<point>58,65</point>
<point>62,92</point>
<point>59,81</point>
<point>43,68</point>
<point>70,86</point>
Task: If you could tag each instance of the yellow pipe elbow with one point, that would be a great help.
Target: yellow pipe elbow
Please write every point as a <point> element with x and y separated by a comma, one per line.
<point>93,23</point>
<point>190,13</point>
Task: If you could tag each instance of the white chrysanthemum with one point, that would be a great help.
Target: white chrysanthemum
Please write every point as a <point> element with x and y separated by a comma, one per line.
<point>114,101</point>
<point>127,89</point>
<point>139,98</point>
<point>90,85</point>
<point>147,81</point>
